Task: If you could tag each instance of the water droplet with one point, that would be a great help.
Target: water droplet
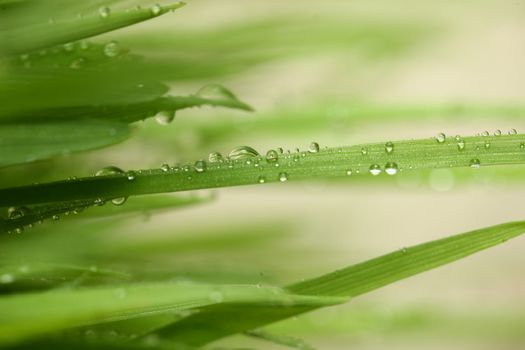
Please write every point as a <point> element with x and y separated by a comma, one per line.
<point>242,152</point>
<point>55,217</point>
<point>216,297</point>
<point>84,45</point>
<point>364,151</point>
<point>104,12</point>
<point>441,137</point>
<point>165,167</point>
<point>389,147</point>
<point>485,133</point>
<point>69,47</point>
<point>261,179</point>
<point>109,170</point>
<point>461,145</point>
<point>112,49</point>
<point>200,166</point>
<point>215,157</point>
<point>280,150</point>
<point>375,169</point>
<point>349,172</point>
<point>283,177</point>
<point>272,156</point>
<point>487,145</point>
<point>130,175</point>
<point>7,278</point>
<point>119,201</point>
<point>475,163</point>
<point>314,147</point>
<point>215,92</point>
<point>165,117</point>
<point>391,168</point>
<point>497,133</point>
<point>522,145</point>
<point>99,202</point>
<point>156,9</point>
<point>513,132</point>
<point>17,212</point>
<point>77,63</point>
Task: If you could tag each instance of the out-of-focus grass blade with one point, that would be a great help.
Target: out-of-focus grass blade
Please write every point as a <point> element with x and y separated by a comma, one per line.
<point>43,24</point>
<point>36,314</point>
<point>27,216</point>
<point>388,158</point>
<point>225,320</point>
<point>23,143</point>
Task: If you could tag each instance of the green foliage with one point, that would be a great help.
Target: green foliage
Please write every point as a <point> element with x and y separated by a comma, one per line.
<point>86,280</point>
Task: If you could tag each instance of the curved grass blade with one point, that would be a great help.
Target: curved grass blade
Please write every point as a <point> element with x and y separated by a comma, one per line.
<point>225,320</point>
<point>37,314</point>
<point>280,339</point>
<point>23,143</point>
<point>377,158</point>
<point>23,33</point>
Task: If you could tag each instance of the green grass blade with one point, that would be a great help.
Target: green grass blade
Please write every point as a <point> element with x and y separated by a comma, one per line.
<point>225,320</point>
<point>280,339</point>
<point>23,31</point>
<point>326,163</point>
<point>23,143</point>
<point>36,314</point>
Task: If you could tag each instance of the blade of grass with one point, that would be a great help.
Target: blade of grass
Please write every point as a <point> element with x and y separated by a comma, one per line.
<point>225,320</point>
<point>326,163</point>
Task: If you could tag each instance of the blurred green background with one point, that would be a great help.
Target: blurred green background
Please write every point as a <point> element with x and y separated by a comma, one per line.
<point>335,72</point>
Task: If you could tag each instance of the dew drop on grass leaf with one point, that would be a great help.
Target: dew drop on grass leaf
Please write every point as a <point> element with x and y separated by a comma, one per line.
<point>364,151</point>
<point>77,63</point>
<point>17,212</point>
<point>119,201</point>
<point>475,163</point>
<point>242,152</point>
<point>261,179</point>
<point>215,157</point>
<point>165,117</point>
<point>497,133</point>
<point>487,145</point>
<point>391,168</point>
<point>130,175</point>
<point>156,9</point>
<point>375,169</point>
<point>165,167</point>
<point>272,156</point>
<point>441,137</point>
<point>389,147</point>
<point>283,177</point>
<point>104,12</point>
<point>112,49</point>
<point>314,147</point>
<point>200,166</point>
<point>461,145</point>
<point>485,133</point>
<point>513,132</point>
<point>349,172</point>
<point>216,92</point>
<point>109,170</point>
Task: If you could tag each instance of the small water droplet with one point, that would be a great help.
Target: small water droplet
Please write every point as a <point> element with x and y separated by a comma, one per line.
<point>215,92</point>
<point>375,169</point>
<point>112,49</point>
<point>99,202</point>
<point>364,151</point>
<point>272,156</point>
<point>475,163</point>
<point>109,170</point>
<point>84,45</point>
<point>349,172</point>
<point>242,152</point>
<point>441,137</point>
<point>461,145</point>
<point>14,213</point>
<point>522,145</point>
<point>215,157</point>
<point>104,12</point>
<point>130,175</point>
<point>314,147</point>
<point>164,117</point>
<point>513,132</point>
<point>165,167</point>
<point>7,278</point>
<point>200,166</point>
<point>283,177</point>
<point>69,47</point>
<point>485,133</point>
<point>156,9</point>
<point>119,201</point>
<point>55,217</point>
<point>497,133</point>
<point>487,145</point>
<point>389,147</point>
<point>261,179</point>
<point>391,168</point>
